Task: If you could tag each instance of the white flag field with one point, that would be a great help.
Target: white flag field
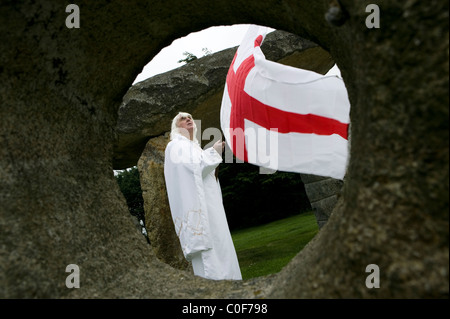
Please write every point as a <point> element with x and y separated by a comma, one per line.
<point>284,118</point>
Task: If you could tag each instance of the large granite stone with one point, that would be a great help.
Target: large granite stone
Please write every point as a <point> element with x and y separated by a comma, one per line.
<point>158,219</point>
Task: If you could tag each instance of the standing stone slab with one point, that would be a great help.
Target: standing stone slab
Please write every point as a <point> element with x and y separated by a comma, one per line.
<point>59,202</point>
<point>158,218</point>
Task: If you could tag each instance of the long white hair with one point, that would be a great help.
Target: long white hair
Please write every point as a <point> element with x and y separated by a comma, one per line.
<point>175,130</point>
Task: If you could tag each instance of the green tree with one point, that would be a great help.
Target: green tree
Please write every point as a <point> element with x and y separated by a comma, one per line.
<point>249,198</point>
<point>130,186</point>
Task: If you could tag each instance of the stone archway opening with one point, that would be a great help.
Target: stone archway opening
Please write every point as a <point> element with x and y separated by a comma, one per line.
<point>60,92</point>
<point>169,91</point>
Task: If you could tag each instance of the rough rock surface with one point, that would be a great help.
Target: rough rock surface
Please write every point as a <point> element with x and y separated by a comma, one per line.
<point>59,203</point>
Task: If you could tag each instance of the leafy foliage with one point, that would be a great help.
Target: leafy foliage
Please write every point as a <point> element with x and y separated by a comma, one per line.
<point>189,57</point>
<point>130,186</point>
<point>251,198</point>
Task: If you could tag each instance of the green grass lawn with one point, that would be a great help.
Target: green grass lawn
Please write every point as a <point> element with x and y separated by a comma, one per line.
<point>266,249</point>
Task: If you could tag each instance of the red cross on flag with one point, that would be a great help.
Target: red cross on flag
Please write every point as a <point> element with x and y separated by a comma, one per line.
<point>284,118</point>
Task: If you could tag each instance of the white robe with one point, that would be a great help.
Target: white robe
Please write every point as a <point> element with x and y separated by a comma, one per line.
<point>198,214</point>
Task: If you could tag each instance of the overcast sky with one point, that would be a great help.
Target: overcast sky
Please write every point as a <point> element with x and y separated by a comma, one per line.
<point>214,39</point>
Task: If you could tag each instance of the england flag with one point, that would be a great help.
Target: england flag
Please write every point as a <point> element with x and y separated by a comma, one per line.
<point>284,118</point>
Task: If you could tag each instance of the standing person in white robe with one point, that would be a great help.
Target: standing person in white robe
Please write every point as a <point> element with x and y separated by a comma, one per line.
<point>195,200</point>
